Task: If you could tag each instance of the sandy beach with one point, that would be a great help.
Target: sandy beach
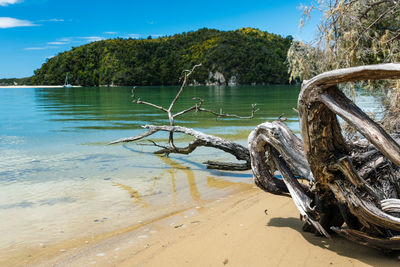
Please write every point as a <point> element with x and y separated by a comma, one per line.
<point>230,231</point>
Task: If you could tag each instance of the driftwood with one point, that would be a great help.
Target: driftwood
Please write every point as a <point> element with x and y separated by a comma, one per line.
<point>353,188</point>
<point>201,139</point>
<point>240,152</point>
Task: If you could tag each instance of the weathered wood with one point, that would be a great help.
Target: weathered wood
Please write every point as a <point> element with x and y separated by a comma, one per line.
<point>239,151</point>
<point>278,135</point>
<point>201,139</point>
<point>329,156</point>
<point>299,195</point>
<point>338,103</point>
<point>262,171</point>
<point>391,205</point>
<point>281,144</point>
<point>357,183</point>
<point>228,166</point>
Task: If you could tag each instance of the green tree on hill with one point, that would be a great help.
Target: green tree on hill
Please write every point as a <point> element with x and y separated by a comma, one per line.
<point>249,55</point>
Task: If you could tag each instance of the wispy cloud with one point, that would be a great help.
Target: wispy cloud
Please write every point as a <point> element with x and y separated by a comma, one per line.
<point>51,20</point>
<point>110,32</point>
<point>9,2</point>
<point>6,22</point>
<point>65,39</point>
<point>36,48</point>
<point>57,43</point>
<point>92,38</point>
<point>69,40</point>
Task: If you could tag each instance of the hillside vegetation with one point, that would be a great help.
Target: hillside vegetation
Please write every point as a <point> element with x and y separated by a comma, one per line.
<point>16,81</point>
<point>244,56</point>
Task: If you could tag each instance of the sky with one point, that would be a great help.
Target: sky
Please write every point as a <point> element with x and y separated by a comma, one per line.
<point>32,31</point>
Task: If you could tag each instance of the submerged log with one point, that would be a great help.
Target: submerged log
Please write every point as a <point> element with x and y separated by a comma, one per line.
<point>356,183</point>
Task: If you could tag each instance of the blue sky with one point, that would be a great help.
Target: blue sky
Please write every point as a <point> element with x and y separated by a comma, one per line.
<point>33,30</point>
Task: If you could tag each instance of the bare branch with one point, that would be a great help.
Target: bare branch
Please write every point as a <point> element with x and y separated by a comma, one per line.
<point>157,145</point>
<point>138,101</point>
<point>169,111</point>
<point>240,152</point>
<point>181,150</point>
<point>228,166</point>
<point>187,74</point>
<point>195,107</point>
<point>134,138</point>
<point>221,114</point>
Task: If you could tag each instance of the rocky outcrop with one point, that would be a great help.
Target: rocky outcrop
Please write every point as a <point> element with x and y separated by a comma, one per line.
<point>216,78</point>
<point>233,81</point>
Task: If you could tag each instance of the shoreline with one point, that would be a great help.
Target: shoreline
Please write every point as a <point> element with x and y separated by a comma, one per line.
<point>177,85</point>
<point>232,230</point>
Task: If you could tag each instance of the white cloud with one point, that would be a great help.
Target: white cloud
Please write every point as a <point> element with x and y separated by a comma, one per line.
<point>36,48</point>
<point>79,39</point>
<point>6,22</point>
<point>110,32</point>
<point>92,38</point>
<point>8,2</point>
<point>57,43</point>
<point>66,39</point>
<point>51,20</point>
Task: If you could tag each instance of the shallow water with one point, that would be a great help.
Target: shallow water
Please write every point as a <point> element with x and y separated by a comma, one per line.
<point>60,180</point>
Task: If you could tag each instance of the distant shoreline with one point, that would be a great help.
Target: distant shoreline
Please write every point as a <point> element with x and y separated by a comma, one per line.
<point>36,86</point>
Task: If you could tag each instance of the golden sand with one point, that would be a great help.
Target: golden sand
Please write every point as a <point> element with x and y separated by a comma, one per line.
<point>231,231</point>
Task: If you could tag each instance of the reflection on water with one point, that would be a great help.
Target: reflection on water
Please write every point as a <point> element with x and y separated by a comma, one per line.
<point>132,192</point>
<point>59,180</point>
<point>112,108</point>
<point>175,166</point>
<point>219,183</point>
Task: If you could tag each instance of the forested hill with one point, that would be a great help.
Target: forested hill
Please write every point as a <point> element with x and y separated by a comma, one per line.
<point>244,56</point>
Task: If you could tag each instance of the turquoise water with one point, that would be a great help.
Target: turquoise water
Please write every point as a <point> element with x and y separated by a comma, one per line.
<point>59,179</point>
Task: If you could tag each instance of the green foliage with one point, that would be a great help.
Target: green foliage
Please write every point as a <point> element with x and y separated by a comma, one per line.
<point>251,55</point>
<point>16,81</point>
<point>350,33</point>
<point>353,33</point>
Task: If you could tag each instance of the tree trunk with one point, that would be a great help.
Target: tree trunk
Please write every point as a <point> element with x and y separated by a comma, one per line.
<point>353,182</point>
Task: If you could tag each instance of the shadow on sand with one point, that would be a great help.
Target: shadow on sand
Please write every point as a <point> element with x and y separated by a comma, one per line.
<point>340,245</point>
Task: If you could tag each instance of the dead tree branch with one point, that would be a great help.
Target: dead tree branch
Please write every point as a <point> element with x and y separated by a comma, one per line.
<point>201,139</point>
<point>221,114</point>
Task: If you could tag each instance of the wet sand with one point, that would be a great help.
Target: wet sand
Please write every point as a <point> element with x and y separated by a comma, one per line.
<point>231,231</point>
